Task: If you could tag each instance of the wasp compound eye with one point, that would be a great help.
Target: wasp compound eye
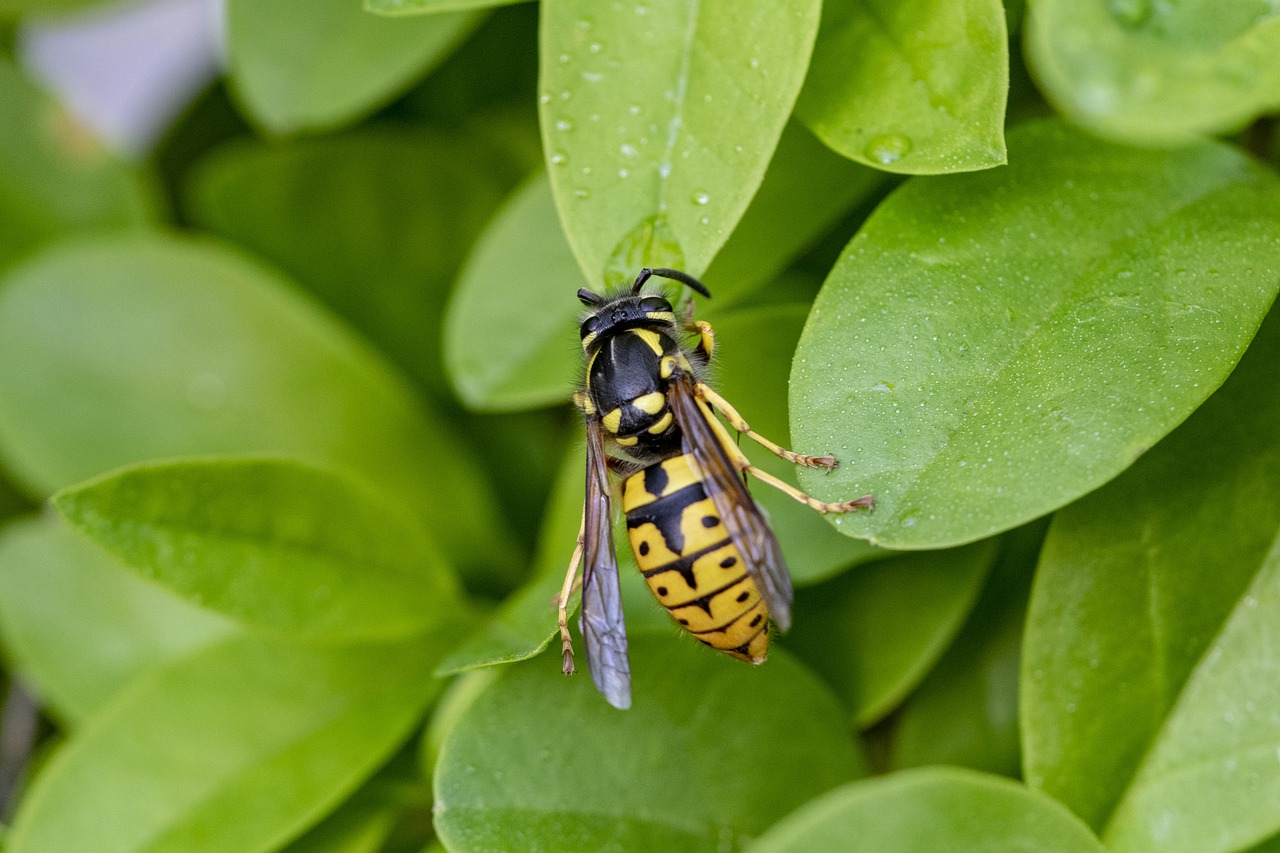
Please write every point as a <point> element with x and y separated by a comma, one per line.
<point>590,326</point>
<point>654,304</point>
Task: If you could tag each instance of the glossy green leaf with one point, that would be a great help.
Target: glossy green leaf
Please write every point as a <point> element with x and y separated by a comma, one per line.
<point>238,747</point>
<point>924,811</point>
<point>753,351</point>
<point>518,285</point>
<point>300,65</point>
<point>965,711</point>
<point>375,224</point>
<point>874,632</point>
<point>916,87</point>
<point>1156,72</point>
<point>130,349</point>
<point>696,764</point>
<point>55,177</point>
<point>994,345</point>
<point>79,627</point>
<point>1127,617</point>
<point>642,109</point>
<point>422,7</point>
<point>271,543</point>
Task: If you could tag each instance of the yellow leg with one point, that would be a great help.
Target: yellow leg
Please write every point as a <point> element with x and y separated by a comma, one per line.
<point>706,338</point>
<point>736,420</point>
<point>864,502</point>
<point>562,609</point>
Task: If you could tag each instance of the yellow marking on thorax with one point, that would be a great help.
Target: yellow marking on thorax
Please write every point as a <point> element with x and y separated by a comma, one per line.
<point>650,337</point>
<point>584,402</point>
<point>612,421</point>
<point>627,440</point>
<point>680,474</point>
<point>667,367</point>
<point>662,424</point>
<point>661,315</point>
<point>589,339</point>
<point>651,403</point>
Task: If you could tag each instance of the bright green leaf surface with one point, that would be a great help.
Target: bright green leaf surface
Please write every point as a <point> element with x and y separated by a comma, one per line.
<point>271,543</point>
<point>698,763</point>
<point>754,350</point>
<point>375,224</point>
<point>965,712</point>
<point>16,8</point>
<point>875,631</point>
<point>1153,71</point>
<point>173,765</point>
<point>929,810</point>
<point>420,7</point>
<point>520,283</point>
<point>55,176</point>
<point>301,65</point>
<point>1134,585</point>
<point>642,109</point>
<point>130,349</point>
<point>1209,782</point>
<point>78,626</point>
<point>994,345</point>
<point>916,87</point>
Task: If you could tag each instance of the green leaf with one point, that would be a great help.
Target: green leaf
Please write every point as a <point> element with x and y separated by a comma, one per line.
<point>238,747</point>
<point>994,345</point>
<point>642,110</point>
<point>1156,72</point>
<point>916,87</point>
<point>358,826</point>
<point>965,711</point>
<point>299,65</point>
<point>271,543</point>
<point>79,627</point>
<point>873,633</point>
<point>55,177</point>
<point>753,351</point>
<point>423,7</point>
<point>523,625</point>
<point>929,810</point>
<point>19,8</point>
<point>517,284</point>
<point>347,215</point>
<point>138,348</point>
<point>697,764</point>
<point>1140,604</point>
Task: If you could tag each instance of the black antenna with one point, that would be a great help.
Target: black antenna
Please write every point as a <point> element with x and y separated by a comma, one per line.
<point>589,298</point>
<point>674,275</point>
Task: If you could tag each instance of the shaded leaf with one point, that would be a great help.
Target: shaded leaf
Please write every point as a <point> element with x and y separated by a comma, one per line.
<point>375,224</point>
<point>1132,612</point>
<point>271,543</point>
<point>420,7</point>
<point>916,87</point>
<point>650,160</point>
<point>1156,72</point>
<point>55,177</point>
<point>301,65</point>
<point>79,626</point>
<point>874,632</point>
<point>193,758</point>
<point>695,765</point>
<point>994,345</point>
<point>932,809</point>
<point>137,348</point>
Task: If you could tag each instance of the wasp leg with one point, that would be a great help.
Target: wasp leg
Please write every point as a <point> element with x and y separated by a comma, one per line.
<point>864,502</point>
<point>721,405</point>
<point>566,592</point>
<point>706,338</point>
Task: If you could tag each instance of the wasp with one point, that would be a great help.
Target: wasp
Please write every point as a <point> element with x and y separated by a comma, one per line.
<point>705,549</point>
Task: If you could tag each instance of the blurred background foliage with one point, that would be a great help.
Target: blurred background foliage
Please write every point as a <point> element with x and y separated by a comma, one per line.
<point>288,478</point>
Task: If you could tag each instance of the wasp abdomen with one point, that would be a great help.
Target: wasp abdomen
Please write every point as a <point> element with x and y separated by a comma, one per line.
<point>689,560</point>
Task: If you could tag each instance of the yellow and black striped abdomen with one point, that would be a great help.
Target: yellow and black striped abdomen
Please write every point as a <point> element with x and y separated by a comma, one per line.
<point>689,561</point>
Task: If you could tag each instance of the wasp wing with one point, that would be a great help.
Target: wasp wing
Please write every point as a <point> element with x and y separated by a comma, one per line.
<point>741,517</point>
<point>601,620</point>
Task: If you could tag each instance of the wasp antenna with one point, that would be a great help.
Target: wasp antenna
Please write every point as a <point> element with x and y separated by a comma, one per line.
<point>641,279</point>
<point>675,275</point>
<point>587,297</point>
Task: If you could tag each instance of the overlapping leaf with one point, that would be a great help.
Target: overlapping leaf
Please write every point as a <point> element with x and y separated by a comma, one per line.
<point>994,345</point>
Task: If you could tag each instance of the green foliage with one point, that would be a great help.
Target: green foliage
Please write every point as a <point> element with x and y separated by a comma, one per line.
<point>312,479</point>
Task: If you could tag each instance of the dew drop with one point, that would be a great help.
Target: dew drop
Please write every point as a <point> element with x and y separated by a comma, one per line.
<point>623,173</point>
<point>627,149</point>
<point>580,192</point>
<point>559,158</point>
<point>889,148</point>
<point>564,58</point>
<point>700,197</point>
<point>595,47</point>
<point>544,98</point>
<point>564,125</point>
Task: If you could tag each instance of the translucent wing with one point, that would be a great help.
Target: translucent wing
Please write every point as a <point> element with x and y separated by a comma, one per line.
<point>603,628</point>
<point>741,517</point>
